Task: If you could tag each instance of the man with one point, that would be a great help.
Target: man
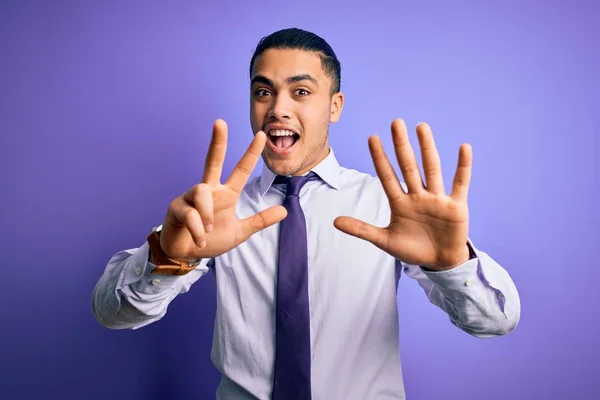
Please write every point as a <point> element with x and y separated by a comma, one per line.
<point>306,276</point>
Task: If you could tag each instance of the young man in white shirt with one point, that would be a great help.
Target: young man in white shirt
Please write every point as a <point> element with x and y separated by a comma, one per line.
<point>306,281</point>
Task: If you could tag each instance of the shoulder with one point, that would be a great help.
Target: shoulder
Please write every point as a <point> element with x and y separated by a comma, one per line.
<point>361,188</point>
<point>352,178</point>
<point>363,194</point>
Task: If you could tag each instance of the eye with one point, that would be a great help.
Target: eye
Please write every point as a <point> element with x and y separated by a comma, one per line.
<point>302,92</point>
<point>262,93</point>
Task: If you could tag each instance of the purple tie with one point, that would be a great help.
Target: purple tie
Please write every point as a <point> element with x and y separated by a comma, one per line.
<point>292,326</point>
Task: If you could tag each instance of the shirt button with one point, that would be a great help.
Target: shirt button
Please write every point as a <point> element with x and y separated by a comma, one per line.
<point>155,281</point>
<point>468,282</point>
<point>138,271</point>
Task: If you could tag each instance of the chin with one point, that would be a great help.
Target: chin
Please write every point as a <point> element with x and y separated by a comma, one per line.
<point>281,167</point>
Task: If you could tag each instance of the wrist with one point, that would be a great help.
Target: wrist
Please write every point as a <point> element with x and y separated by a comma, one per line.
<point>166,265</point>
<point>151,259</point>
<point>467,255</point>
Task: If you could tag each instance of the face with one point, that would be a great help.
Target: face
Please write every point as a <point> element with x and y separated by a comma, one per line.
<point>290,100</point>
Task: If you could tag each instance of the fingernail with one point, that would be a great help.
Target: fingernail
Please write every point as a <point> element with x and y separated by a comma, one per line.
<point>209,228</point>
<point>203,243</point>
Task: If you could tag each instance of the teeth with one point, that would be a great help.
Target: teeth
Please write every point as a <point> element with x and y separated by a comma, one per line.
<point>281,132</point>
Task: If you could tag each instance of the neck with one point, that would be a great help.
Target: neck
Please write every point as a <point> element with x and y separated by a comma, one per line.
<point>323,155</point>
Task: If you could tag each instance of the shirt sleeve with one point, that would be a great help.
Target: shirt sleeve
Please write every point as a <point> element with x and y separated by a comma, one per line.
<point>478,296</point>
<point>128,296</point>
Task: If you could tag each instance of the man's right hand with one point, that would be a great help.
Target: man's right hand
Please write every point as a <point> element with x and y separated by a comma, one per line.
<point>202,223</point>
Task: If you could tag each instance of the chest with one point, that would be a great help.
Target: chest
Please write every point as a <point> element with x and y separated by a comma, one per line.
<point>341,268</point>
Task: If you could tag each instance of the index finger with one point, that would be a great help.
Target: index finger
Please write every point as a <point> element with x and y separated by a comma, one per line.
<point>384,170</point>
<point>246,165</point>
<point>213,166</point>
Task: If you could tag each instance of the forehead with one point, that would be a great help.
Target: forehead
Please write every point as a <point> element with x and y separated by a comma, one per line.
<point>278,64</point>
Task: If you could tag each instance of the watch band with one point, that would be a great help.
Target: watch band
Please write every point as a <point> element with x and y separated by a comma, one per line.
<point>164,264</point>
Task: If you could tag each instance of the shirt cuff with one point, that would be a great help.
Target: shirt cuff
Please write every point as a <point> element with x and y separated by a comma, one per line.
<point>138,273</point>
<point>469,278</point>
<point>457,279</point>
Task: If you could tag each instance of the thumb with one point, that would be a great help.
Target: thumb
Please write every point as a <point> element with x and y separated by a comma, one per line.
<point>362,230</point>
<point>262,220</point>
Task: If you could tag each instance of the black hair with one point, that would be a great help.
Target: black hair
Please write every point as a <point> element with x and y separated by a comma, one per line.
<point>295,38</point>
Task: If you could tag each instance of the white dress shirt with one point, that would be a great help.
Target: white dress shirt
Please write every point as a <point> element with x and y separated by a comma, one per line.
<point>352,293</point>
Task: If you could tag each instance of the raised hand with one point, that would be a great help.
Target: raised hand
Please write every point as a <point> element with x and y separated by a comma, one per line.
<point>427,226</point>
<point>202,223</point>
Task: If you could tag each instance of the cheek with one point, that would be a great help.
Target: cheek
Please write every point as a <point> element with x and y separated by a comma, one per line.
<point>314,117</point>
<point>318,124</point>
<point>255,118</point>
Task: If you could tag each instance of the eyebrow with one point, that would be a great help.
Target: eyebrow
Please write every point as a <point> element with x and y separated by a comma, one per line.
<point>289,81</point>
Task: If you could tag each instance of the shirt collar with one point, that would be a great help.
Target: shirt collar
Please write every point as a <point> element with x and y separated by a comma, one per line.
<point>328,170</point>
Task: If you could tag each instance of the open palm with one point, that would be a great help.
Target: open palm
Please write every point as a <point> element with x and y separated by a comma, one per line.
<point>202,223</point>
<point>427,227</point>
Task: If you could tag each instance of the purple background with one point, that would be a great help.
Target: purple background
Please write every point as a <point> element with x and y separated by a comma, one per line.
<point>105,116</point>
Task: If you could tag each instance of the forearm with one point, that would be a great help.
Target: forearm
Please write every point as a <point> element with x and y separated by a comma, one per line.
<point>479,296</point>
<point>128,296</point>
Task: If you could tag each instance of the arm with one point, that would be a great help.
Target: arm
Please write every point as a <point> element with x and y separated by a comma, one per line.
<point>429,228</point>
<point>201,224</point>
<point>128,296</point>
<point>478,296</point>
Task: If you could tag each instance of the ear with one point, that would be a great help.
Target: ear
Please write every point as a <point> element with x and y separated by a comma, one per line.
<point>337,104</point>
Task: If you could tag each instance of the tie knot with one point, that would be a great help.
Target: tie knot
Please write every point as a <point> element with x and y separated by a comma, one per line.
<point>295,183</point>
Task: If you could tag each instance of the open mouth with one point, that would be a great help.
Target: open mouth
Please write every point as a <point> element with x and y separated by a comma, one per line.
<point>283,139</point>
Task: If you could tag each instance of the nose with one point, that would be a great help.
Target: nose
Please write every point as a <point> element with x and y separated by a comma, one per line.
<point>281,107</point>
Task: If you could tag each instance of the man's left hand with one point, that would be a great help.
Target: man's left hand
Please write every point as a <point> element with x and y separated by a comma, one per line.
<point>427,226</point>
